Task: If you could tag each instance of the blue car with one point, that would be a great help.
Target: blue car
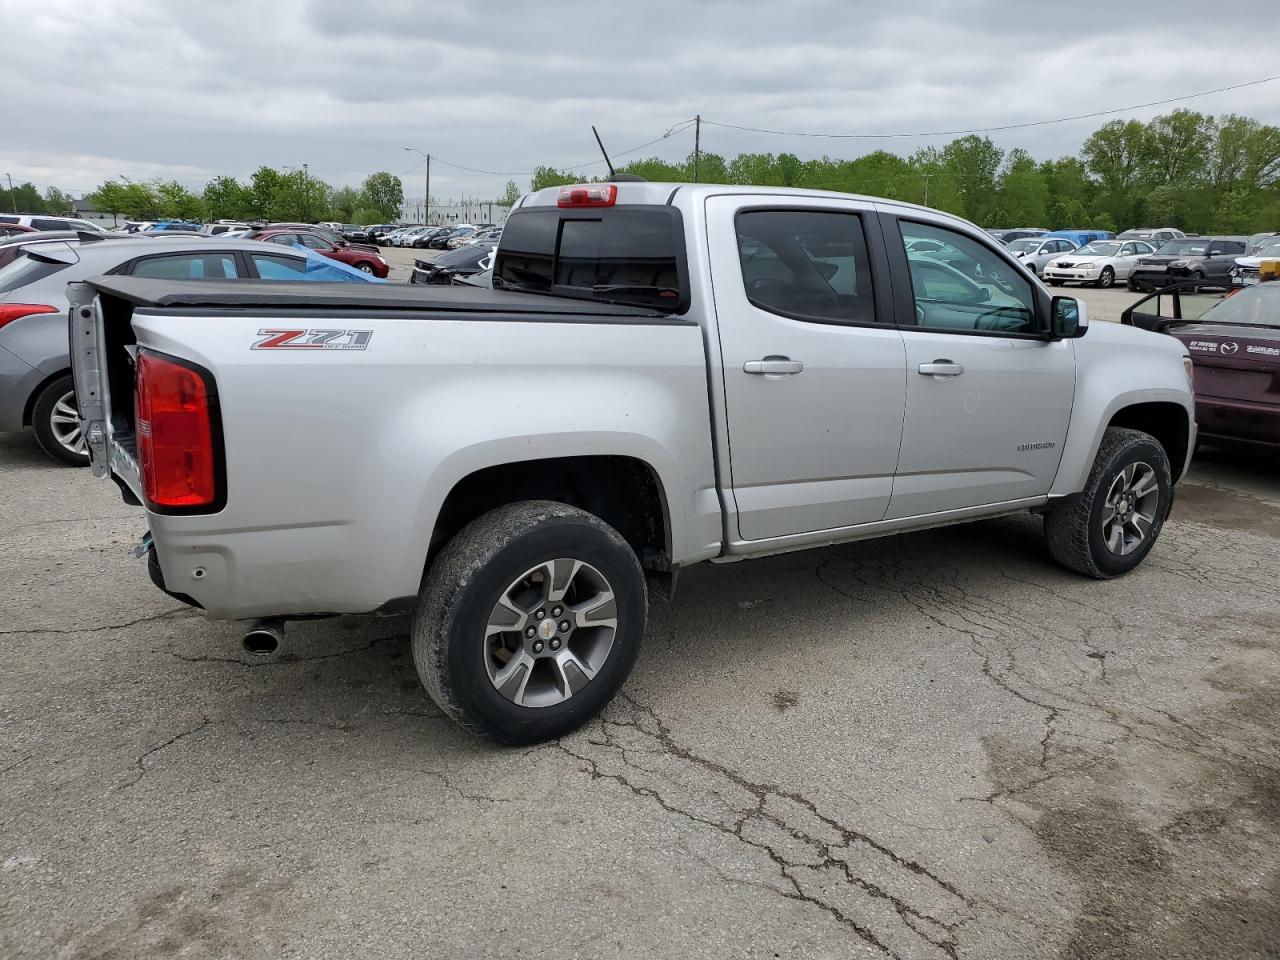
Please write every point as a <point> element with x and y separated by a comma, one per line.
<point>1081,237</point>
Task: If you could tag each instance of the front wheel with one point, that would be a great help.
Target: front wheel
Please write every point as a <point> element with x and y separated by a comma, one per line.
<point>1106,278</point>
<point>365,267</point>
<point>1055,283</point>
<point>1112,524</point>
<point>55,418</point>
<point>530,621</point>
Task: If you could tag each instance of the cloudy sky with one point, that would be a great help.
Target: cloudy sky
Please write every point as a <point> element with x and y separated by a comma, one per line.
<point>144,88</point>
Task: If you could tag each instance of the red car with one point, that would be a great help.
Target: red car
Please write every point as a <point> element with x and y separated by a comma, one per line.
<point>1235,355</point>
<point>11,229</point>
<point>358,255</point>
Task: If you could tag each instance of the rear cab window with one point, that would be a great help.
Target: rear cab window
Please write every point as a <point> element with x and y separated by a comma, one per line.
<point>631,254</point>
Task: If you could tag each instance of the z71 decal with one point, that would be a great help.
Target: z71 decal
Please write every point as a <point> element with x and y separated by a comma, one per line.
<point>313,340</point>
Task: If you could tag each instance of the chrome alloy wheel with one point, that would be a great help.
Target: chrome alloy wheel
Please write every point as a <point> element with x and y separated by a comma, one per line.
<point>64,422</point>
<point>1129,510</point>
<point>550,633</point>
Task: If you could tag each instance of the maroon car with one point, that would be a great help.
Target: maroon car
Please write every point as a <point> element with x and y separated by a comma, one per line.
<point>12,229</point>
<point>353,254</point>
<point>1235,353</point>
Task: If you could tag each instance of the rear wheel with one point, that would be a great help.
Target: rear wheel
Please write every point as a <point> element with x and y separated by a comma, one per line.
<point>55,418</point>
<point>530,621</point>
<point>1110,526</point>
<point>1106,278</point>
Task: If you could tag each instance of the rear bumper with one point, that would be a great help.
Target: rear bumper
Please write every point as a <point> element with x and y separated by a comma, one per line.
<point>18,380</point>
<point>1238,420</point>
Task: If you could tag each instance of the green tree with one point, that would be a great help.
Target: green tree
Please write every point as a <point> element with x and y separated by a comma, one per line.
<point>512,194</point>
<point>263,187</point>
<point>550,177</point>
<point>1175,148</point>
<point>176,202</point>
<point>344,203</point>
<point>383,192</point>
<point>974,162</point>
<point>1023,193</point>
<point>226,198</point>
<point>55,201</point>
<point>24,198</point>
<point>135,201</point>
<point>1114,155</point>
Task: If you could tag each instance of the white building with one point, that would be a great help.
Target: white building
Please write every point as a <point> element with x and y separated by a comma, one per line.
<point>454,211</point>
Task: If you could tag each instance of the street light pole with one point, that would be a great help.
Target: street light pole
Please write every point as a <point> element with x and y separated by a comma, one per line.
<point>302,200</point>
<point>426,196</point>
<point>13,199</point>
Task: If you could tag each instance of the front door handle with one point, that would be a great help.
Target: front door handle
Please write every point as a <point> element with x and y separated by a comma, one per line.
<point>941,368</point>
<point>773,367</point>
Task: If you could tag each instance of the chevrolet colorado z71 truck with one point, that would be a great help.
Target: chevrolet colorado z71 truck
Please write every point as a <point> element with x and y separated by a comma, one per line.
<point>661,374</point>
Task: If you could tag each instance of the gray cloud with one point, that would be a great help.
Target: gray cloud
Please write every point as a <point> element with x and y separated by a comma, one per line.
<point>190,91</point>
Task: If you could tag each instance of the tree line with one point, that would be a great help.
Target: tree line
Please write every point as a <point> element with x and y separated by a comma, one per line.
<point>1186,169</point>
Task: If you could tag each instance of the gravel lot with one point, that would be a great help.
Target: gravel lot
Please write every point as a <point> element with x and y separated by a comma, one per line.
<point>937,745</point>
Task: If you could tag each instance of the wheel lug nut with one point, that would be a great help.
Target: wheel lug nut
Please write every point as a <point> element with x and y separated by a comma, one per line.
<point>540,615</point>
<point>564,626</point>
<point>537,646</point>
<point>555,644</point>
<point>529,632</point>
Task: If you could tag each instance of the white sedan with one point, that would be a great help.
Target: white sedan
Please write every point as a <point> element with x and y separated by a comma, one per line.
<point>1099,264</point>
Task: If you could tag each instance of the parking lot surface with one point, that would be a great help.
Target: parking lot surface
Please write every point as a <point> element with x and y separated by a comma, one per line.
<point>937,745</point>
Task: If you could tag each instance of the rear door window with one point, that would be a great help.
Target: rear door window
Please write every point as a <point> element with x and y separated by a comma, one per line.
<point>807,264</point>
<point>187,267</point>
<point>41,223</point>
<point>271,266</point>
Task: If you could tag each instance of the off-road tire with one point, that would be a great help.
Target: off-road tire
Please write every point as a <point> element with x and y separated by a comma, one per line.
<point>41,422</point>
<point>1073,527</point>
<point>465,581</point>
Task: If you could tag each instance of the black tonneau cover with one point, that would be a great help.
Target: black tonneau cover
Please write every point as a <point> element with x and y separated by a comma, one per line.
<point>295,295</point>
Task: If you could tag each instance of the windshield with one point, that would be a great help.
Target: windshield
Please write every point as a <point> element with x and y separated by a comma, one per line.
<point>1184,248</point>
<point>1025,245</point>
<point>1269,249</point>
<point>1256,305</point>
<point>1099,248</point>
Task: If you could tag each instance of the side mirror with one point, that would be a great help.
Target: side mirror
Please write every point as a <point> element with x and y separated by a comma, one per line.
<point>1069,318</point>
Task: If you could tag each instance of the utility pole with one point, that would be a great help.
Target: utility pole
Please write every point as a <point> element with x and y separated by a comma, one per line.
<point>13,199</point>
<point>302,200</point>
<point>426,195</point>
<point>697,146</point>
<point>926,187</point>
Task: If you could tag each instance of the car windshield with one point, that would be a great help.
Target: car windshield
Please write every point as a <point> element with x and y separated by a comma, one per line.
<point>1025,245</point>
<point>1099,248</point>
<point>1253,305</point>
<point>1269,249</point>
<point>1184,248</point>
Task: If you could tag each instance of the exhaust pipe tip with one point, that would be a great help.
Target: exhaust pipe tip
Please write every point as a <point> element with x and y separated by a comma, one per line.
<point>263,637</point>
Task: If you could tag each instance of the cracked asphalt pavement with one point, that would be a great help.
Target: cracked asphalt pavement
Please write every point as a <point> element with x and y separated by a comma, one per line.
<point>933,746</point>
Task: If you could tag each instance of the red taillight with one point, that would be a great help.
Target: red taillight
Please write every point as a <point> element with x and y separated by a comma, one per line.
<point>10,312</point>
<point>588,195</point>
<point>175,434</point>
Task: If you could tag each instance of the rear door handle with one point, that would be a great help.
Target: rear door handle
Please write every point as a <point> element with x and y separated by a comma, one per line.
<point>773,367</point>
<point>940,368</point>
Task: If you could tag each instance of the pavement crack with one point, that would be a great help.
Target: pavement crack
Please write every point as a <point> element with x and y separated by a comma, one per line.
<point>814,858</point>
<point>167,615</point>
<point>141,762</point>
<point>14,766</point>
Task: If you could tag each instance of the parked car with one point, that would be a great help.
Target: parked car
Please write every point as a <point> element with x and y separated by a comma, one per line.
<point>1204,261</point>
<point>41,222</point>
<point>1099,264</point>
<point>35,379</point>
<point>441,240</point>
<point>225,227</point>
<point>1079,238</point>
<point>1247,269</point>
<point>1156,236</point>
<point>1035,252</point>
<point>183,226</point>
<point>13,246</point>
<point>487,235</point>
<point>1019,233</point>
<point>459,236</point>
<point>377,231</point>
<point>363,258</point>
<point>10,229</point>
<point>1259,240</point>
<point>1235,355</point>
<point>406,237</point>
<point>423,240</point>
<point>462,262</point>
<point>707,416</point>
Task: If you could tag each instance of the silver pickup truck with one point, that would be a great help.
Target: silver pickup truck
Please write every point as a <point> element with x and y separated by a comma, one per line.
<point>661,375</point>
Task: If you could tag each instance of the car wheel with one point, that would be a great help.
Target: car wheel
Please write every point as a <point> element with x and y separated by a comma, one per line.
<point>1110,526</point>
<point>55,418</point>
<point>365,267</point>
<point>1106,278</point>
<point>1196,278</point>
<point>1055,283</point>
<point>1131,286</point>
<point>530,621</point>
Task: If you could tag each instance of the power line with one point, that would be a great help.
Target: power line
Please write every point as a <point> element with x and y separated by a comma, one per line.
<point>1007,126</point>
